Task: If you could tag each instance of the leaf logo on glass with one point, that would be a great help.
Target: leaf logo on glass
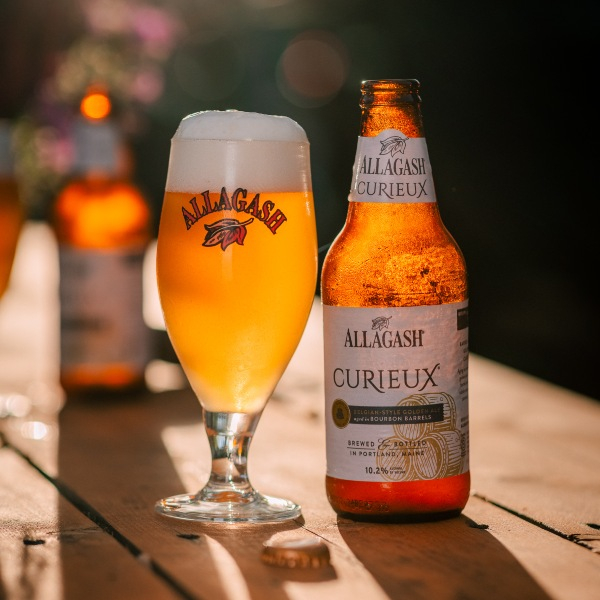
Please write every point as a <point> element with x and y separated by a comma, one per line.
<point>226,232</point>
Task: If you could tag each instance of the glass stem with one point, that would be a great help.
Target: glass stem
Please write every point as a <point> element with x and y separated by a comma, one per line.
<point>229,436</point>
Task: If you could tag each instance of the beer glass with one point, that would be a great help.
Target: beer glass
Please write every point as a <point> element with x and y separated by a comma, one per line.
<point>237,269</point>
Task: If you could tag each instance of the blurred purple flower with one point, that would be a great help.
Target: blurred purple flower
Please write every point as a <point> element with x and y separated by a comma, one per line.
<point>147,85</point>
<point>157,29</point>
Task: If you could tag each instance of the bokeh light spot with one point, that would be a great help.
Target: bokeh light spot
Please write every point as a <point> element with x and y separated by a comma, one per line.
<point>36,430</point>
<point>95,105</point>
<point>313,68</point>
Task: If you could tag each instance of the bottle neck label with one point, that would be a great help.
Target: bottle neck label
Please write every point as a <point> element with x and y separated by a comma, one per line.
<point>392,167</point>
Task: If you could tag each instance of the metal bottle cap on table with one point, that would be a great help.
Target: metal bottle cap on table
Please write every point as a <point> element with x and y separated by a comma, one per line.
<point>298,554</point>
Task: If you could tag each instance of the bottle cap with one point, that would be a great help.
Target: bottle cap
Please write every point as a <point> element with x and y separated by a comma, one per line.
<point>299,554</point>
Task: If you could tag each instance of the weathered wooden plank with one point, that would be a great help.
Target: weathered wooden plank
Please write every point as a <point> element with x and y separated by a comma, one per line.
<point>536,449</point>
<point>561,568</point>
<point>136,470</point>
<point>50,551</point>
<point>442,560</point>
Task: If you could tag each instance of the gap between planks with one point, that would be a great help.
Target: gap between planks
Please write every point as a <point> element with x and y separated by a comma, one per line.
<point>93,515</point>
<point>565,536</point>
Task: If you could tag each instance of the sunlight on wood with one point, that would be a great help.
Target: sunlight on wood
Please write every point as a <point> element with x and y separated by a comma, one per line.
<point>188,448</point>
<point>231,578</point>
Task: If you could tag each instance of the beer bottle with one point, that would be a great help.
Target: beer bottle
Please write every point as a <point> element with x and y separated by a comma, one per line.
<point>395,311</point>
<point>102,225</point>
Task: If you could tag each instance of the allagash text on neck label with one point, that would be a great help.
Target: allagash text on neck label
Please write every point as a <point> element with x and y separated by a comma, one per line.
<point>392,167</point>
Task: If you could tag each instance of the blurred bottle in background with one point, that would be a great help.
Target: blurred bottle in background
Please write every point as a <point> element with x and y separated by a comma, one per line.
<point>11,209</point>
<point>102,224</point>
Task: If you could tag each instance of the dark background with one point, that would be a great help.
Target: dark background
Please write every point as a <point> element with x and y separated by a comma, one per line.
<point>507,93</point>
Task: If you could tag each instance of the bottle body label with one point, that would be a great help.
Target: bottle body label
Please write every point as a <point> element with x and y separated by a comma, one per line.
<point>392,167</point>
<point>101,308</point>
<point>396,392</point>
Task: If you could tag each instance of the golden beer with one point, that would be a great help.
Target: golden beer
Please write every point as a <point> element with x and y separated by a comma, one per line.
<point>235,314</point>
<point>237,270</point>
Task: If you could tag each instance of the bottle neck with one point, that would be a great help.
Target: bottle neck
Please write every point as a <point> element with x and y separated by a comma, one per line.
<point>392,162</point>
<point>391,104</point>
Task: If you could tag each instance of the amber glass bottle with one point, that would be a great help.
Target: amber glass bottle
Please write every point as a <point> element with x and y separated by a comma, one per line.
<point>394,294</point>
<point>102,224</point>
<point>11,209</point>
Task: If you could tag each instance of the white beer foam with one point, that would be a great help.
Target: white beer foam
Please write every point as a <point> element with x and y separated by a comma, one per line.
<point>231,149</point>
<point>239,125</point>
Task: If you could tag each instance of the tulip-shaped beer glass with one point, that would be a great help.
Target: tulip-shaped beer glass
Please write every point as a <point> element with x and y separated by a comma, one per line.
<point>237,268</point>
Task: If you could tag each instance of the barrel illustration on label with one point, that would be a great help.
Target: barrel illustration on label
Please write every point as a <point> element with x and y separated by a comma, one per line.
<point>427,450</point>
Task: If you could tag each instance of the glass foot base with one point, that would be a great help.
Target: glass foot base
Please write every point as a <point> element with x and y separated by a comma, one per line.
<point>258,509</point>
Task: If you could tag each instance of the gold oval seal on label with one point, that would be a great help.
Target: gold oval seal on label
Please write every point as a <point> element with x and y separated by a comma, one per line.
<point>340,412</point>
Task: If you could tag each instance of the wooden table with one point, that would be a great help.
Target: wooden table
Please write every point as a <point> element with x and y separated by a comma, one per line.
<point>78,484</point>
